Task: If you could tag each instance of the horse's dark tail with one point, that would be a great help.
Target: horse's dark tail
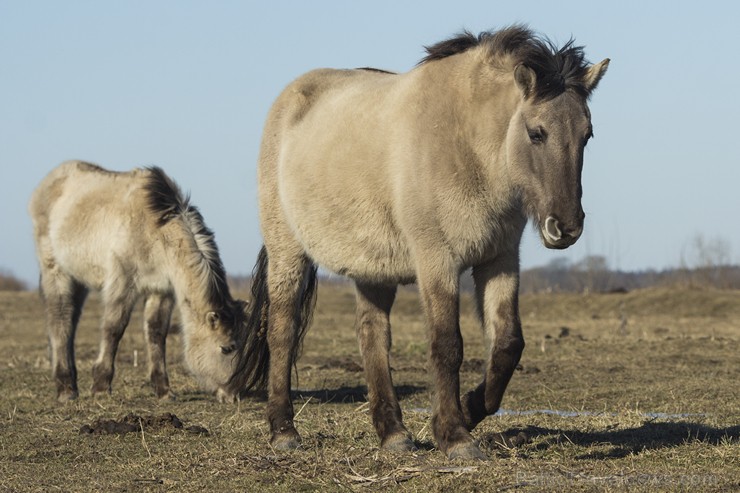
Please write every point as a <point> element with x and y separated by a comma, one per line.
<point>254,358</point>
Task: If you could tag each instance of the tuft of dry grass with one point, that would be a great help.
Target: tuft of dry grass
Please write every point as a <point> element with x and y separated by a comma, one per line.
<point>615,392</point>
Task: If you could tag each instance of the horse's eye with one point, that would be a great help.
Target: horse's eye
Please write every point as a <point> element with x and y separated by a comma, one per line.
<point>537,135</point>
<point>228,349</point>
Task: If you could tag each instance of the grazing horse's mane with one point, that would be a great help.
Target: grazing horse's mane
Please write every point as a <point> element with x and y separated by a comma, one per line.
<point>557,69</point>
<point>167,202</point>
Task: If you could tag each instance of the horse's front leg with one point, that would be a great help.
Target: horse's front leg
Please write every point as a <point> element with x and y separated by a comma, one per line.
<point>157,317</point>
<point>119,302</point>
<point>439,289</point>
<point>497,293</point>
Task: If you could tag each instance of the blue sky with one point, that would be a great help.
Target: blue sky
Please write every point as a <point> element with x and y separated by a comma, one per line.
<point>186,85</point>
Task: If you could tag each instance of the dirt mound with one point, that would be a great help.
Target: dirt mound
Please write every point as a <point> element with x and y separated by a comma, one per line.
<point>133,423</point>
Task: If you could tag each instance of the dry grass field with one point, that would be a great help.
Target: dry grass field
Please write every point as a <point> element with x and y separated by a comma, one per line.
<point>636,391</point>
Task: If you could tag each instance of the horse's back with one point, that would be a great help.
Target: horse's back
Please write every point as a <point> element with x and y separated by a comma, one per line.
<point>76,179</point>
<point>86,219</point>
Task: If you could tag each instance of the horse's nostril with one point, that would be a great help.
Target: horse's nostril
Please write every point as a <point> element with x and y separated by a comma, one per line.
<point>557,234</point>
<point>553,229</point>
<point>573,232</point>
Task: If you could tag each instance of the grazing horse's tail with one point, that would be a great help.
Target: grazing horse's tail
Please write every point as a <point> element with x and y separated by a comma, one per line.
<point>254,358</point>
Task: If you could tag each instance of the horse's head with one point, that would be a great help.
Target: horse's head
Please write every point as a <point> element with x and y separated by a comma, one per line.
<point>545,143</point>
<point>211,353</point>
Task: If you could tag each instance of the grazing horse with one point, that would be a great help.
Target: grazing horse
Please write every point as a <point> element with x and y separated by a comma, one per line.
<point>394,178</point>
<point>131,235</point>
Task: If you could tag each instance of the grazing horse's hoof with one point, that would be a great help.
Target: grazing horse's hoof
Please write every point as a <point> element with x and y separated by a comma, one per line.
<point>400,442</point>
<point>67,396</point>
<point>100,390</point>
<point>466,451</point>
<point>167,396</point>
<point>286,441</point>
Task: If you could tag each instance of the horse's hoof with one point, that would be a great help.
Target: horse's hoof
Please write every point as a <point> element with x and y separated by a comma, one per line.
<point>286,442</point>
<point>102,392</point>
<point>101,386</point>
<point>64,396</point>
<point>167,397</point>
<point>399,443</point>
<point>466,451</point>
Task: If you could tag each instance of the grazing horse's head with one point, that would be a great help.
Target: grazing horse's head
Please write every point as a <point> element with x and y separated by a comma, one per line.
<point>211,352</point>
<point>547,136</point>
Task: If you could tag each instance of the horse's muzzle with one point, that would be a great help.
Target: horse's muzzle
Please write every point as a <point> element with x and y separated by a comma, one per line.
<point>557,235</point>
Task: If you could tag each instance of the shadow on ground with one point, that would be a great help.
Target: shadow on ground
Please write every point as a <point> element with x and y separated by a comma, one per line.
<point>351,394</point>
<point>623,442</point>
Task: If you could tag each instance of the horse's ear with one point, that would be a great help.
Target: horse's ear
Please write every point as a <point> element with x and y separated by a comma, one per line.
<point>594,73</point>
<point>212,319</point>
<point>525,79</point>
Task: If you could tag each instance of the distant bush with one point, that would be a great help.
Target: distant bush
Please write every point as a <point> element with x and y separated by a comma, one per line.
<point>8,282</point>
<point>592,274</point>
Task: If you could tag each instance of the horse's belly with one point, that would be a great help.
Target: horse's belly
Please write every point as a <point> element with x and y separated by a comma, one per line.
<point>362,244</point>
<point>370,262</point>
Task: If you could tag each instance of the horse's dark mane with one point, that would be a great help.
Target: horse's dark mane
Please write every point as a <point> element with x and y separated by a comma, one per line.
<point>167,202</point>
<point>557,69</point>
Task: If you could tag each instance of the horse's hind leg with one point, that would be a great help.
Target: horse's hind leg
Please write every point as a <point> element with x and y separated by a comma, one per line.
<point>119,302</point>
<point>287,275</point>
<point>64,298</point>
<point>157,316</point>
<point>374,333</point>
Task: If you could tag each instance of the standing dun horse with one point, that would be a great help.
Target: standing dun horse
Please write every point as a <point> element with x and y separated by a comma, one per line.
<point>131,235</point>
<point>394,178</point>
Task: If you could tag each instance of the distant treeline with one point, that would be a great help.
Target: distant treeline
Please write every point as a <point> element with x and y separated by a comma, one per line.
<point>593,274</point>
<point>590,275</point>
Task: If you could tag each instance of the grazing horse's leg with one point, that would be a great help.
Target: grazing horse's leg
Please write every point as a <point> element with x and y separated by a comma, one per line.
<point>374,334</point>
<point>439,288</point>
<point>497,288</point>
<point>64,298</point>
<point>286,276</point>
<point>118,303</point>
<point>157,316</point>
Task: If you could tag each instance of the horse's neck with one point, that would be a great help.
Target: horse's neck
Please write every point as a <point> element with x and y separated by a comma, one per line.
<point>481,99</point>
<point>190,280</point>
